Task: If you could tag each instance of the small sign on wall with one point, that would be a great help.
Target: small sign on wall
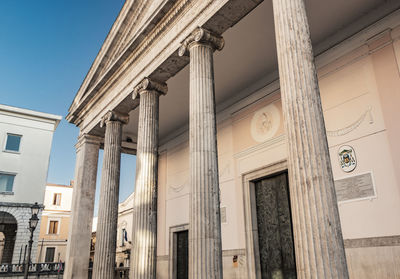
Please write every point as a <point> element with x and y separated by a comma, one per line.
<point>347,158</point>
<point>355,188</point>
<point>223,215</point>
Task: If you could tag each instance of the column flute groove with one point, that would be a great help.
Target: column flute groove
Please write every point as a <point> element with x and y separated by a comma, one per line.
<point>205,251</point>
<point>317,231</point>
<point>80,230</point>
<point>144,249</point>
<point>106,234</point>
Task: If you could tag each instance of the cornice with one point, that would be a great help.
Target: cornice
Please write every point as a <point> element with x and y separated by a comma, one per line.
<point>138,45</point>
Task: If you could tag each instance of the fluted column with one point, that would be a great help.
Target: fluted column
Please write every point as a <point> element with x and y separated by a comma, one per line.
<point>80,228</point>
<point>106,234</point>
<point>317,232</point>
<point>144,248</point>
<point>205,251</point>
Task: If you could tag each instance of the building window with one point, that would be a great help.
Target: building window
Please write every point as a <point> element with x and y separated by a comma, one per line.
<point>13,142</point>
<point>50,251</point>
<point>124,237</point>
<point>6,182</point>
<point>57,199</point>
<point>53,227</point>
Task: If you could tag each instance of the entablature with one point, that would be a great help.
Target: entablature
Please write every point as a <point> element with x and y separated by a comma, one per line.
<point>151,52</point>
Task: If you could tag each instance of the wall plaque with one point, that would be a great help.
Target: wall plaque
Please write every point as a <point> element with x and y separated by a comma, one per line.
<point>223,215</point>
<point>354,188</point>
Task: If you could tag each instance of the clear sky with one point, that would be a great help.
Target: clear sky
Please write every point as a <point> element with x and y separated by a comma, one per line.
<point>46,49</point>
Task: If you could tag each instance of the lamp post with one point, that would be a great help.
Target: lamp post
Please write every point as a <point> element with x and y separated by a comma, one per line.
<point>33,221</point>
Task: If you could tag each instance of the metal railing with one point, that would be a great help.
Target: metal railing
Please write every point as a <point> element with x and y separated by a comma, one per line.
<point>7,270</point>
<point>120,273</point>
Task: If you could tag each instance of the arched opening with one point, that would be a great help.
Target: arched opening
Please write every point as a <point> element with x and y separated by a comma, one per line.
<point>8,229</point>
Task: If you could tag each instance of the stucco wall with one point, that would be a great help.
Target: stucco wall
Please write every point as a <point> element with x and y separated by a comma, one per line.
<point>358,93</point>
<point>30,164</point>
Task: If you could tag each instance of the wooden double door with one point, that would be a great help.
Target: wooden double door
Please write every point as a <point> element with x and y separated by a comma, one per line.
<point>275,234</point>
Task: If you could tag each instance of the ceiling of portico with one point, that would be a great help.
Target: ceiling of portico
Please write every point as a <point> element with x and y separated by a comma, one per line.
<point>249,57</point>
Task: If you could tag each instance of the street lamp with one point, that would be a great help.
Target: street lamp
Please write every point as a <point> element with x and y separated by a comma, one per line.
<point>33,221</point>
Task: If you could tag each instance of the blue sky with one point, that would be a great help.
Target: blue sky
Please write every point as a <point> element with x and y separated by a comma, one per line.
<point>46,49</point>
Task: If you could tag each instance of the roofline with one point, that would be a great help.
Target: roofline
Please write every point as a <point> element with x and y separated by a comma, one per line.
<point>59,185</point>
<point>28,112</point>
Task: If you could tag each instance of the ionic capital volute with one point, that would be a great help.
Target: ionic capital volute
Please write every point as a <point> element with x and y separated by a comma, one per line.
<point>201,35</point>
<point>148,84</point>
<point>114,116</point>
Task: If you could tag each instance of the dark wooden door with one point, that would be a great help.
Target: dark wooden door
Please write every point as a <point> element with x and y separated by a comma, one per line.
<point>182,255</point>
<point>275,235</point>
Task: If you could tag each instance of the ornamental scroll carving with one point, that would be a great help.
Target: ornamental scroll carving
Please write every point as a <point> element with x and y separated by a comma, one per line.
<point>149,85</point>
<point>352,126</point>
<point>201,35</point>
<point>114,116</point>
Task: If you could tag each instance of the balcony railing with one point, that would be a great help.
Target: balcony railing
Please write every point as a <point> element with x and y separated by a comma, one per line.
<point>120,273</point>
<point>7,270</point>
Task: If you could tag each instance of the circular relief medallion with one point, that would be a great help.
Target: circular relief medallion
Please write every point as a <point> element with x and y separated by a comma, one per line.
<point>265,123</point>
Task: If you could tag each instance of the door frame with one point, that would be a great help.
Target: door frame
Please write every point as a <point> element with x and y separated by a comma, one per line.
<point>172,247</point>
<point>250,214</point>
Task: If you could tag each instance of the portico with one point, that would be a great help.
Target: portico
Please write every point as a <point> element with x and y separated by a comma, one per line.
<point>121,107</point>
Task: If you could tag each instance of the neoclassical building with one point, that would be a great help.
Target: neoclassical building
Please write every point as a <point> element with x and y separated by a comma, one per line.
<point>266,138</point>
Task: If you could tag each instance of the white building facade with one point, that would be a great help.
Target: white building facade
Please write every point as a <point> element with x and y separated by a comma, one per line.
<point>25,140</point>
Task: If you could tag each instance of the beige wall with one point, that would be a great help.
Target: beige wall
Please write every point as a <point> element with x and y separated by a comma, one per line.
<point>59,240</point>
<point>62,232</point>
<point>360,91</point>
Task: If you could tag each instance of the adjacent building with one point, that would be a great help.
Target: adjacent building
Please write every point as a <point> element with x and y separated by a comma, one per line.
<point>124,233</point>
<point>25,144</point>
<point>55,223</point>
<point>266,136</point>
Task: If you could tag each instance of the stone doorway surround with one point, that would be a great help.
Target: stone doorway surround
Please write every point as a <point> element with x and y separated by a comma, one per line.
<point>250,215</point>
<point>172,247</point>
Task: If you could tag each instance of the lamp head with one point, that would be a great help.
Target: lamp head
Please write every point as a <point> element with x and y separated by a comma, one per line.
<point>33,221</point>
<point>35,209</point>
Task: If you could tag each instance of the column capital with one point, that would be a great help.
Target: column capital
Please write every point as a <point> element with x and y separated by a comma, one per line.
<point>202,36</point>
<point>114,116</point>
<point>148,84</point>
<point>87,139</point>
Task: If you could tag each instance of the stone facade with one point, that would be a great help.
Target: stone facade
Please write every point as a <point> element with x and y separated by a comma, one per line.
<point>22,214</point>
<point>233,118</point>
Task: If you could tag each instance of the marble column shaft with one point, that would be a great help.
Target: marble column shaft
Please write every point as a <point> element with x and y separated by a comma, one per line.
<point>205,249</point>
<point>80,228</point>
<point>106,234</point>
<point>317,231</point>
<point>144,235</point>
